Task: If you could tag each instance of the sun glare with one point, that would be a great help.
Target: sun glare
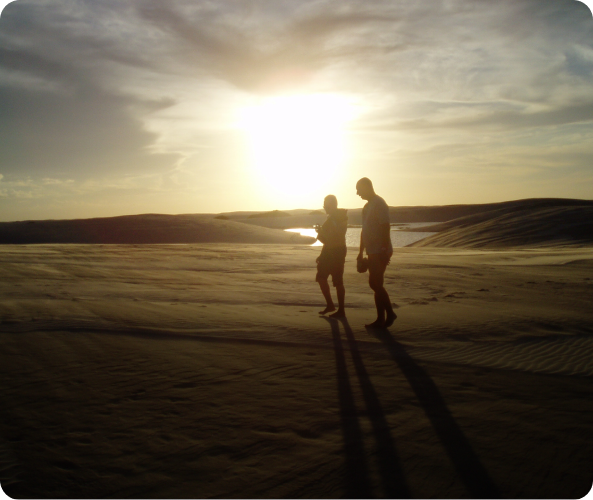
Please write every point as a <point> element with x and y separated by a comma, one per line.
<point>297,142</point>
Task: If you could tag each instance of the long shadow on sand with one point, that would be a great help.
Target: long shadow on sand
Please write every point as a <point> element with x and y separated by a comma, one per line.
<point>392,478</point>
<point>468,465</point>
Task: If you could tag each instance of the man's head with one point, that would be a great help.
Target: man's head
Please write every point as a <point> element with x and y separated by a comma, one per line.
<point>330,203</point>
<point>364,188</point>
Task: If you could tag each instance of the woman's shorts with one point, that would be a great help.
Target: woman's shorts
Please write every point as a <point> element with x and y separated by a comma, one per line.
<point>332,265</point>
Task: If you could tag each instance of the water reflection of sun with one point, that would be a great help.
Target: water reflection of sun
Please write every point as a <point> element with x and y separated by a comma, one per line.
<point>297,142</point>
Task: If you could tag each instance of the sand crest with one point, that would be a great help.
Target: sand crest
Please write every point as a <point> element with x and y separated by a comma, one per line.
<point>516,227</point>
<point>143,229</point>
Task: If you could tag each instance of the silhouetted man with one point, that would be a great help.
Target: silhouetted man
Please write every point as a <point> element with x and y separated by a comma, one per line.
<point>333,255</point>
<point>375,238</point>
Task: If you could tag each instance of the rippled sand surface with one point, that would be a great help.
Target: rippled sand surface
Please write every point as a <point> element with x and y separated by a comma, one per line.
<point>204,370</point>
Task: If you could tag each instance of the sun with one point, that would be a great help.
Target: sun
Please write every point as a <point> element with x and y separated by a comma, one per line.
<point>297,142</point>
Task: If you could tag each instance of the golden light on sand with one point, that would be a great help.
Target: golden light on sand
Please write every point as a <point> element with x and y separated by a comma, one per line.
<point>298,142</point>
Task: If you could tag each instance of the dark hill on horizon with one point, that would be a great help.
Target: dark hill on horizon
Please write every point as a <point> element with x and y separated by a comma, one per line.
<point>521,225</point>
<point>515,223</point>
<point>445,213</point>
<point>411,214</point>
<point>143,229</point>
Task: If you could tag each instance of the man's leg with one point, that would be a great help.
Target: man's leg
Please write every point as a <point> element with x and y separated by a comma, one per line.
<point>385,314</point>
<point>376,283</point>
<point>380,321</point>
<point>390,315</point>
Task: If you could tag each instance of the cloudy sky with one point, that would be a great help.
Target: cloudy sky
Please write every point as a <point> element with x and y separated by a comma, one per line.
<point>112,107</point>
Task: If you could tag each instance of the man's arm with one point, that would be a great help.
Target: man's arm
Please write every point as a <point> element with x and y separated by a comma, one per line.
<point>386,249</point>
<point>385,232</point>
<point>361,253</point>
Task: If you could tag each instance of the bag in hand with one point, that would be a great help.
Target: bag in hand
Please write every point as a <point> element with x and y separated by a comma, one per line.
<point>362,265</point>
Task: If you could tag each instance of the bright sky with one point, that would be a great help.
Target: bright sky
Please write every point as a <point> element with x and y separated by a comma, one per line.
<point>112,107</point>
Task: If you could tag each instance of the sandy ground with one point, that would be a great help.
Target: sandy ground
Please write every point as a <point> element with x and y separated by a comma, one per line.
<point>205,371</point>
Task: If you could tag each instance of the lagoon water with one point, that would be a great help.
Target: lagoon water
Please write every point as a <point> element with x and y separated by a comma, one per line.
<point>399,237</point>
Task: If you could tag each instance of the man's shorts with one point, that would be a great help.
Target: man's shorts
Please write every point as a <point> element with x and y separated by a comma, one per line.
<point>377,268</point>
<point>377,263</point>
<point>332,263</point>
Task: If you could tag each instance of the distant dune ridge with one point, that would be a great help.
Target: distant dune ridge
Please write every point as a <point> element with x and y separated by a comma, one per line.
<point>483,211</point>
<point>273,213</point>
<point>525,223</point>
<point>531,222</point>
<point>141,229</point>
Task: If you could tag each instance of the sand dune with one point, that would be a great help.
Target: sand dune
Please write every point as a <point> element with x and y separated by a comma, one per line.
<point>516,227</point>
<point>142,229</point>
<point>204,370</point>
<point>252,227</point>
<point>481,211</point>
<point>304,220</point>
<point>461,214</point>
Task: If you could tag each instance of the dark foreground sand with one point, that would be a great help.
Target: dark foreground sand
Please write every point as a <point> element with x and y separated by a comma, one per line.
<point>204,371</point>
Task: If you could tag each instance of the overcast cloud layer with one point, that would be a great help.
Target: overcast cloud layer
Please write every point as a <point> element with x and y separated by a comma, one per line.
<point>113,107</point>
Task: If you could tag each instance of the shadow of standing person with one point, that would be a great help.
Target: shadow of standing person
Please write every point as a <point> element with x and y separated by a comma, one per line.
<point>389,466</point>
<point>390,469</point>
<point>356,466</point>
<point>471,471</point>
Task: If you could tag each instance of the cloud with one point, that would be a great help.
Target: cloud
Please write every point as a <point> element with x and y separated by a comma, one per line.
<point>87,131</point>
<point>98,91</point>
<point>489,117</point>
<point>59,115</point>
<point>233,48</point>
